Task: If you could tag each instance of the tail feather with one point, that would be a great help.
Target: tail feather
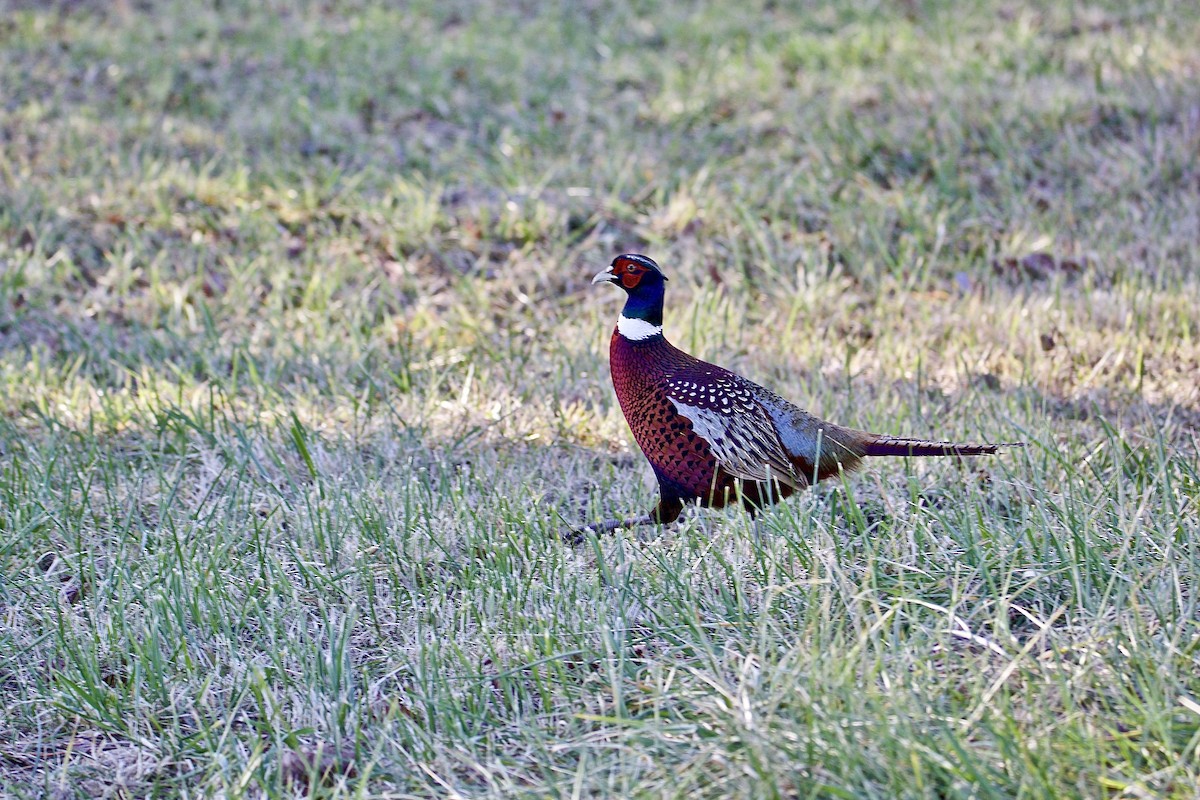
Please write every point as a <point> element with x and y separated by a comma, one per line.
<point>897,446</point>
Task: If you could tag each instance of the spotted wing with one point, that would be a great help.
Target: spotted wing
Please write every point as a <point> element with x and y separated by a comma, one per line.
<point>724,412</point>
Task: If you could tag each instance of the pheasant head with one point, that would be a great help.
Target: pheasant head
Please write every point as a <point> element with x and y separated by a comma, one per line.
<point>644,285</point>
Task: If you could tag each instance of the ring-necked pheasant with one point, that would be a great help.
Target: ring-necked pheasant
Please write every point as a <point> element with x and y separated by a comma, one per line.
<point>714,436</point>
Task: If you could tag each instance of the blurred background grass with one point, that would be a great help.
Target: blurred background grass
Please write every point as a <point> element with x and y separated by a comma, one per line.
<point>300,373</point>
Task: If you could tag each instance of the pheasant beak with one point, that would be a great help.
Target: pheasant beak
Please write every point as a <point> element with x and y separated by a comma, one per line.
<point>604,277</point>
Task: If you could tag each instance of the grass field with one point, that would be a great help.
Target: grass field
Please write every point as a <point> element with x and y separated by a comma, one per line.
<point>301,379</point>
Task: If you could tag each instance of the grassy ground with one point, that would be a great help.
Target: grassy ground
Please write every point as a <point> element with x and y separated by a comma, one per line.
<point>300,376</point>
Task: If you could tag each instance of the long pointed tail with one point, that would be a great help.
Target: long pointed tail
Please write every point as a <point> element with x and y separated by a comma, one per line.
<point>895,446</point>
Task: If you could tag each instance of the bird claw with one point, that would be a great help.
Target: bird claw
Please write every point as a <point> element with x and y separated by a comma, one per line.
<point>576,535</point>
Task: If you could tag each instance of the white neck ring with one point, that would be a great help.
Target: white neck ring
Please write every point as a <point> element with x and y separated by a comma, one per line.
<point>637,329</point>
